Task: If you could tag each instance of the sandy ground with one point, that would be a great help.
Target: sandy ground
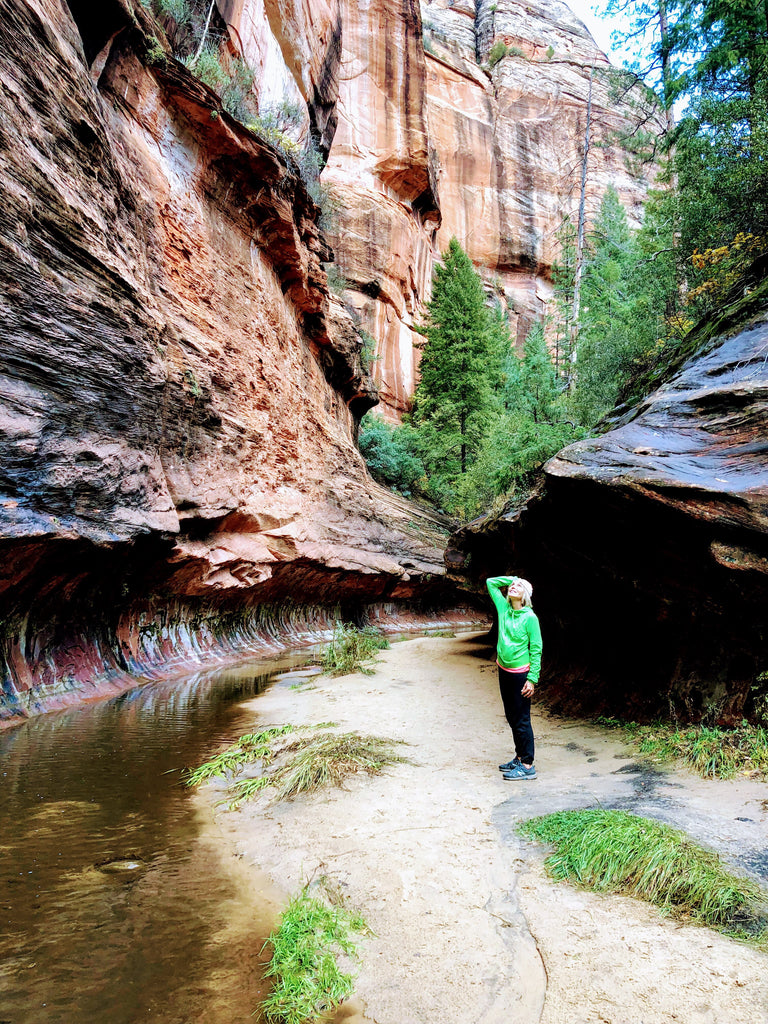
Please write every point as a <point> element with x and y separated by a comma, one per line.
<point>466,925</point>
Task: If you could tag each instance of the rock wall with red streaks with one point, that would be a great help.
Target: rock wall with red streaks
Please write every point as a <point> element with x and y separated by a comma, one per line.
<point>426,139</point>
<point>179,391</point>
<point>495,154</point>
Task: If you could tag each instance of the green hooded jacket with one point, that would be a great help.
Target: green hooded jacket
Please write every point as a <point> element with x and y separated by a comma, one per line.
<point>519,633</point>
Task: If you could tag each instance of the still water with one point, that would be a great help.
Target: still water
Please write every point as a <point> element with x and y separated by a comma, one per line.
<point>173,936</point>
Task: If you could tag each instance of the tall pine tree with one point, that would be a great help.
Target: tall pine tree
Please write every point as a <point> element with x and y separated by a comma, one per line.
<point>460,367</point>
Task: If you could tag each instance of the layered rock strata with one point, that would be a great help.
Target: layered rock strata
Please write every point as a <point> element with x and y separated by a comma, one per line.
<point>648,546</point>
<point>430,134</point>
<point>448,144</point>
<point>180,396</point>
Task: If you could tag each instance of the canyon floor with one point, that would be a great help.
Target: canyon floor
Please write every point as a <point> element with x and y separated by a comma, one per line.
<point>466,926</point>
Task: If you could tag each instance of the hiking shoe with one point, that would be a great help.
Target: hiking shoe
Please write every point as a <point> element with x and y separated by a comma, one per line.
<point>520,772</point>
<point>509,765</point>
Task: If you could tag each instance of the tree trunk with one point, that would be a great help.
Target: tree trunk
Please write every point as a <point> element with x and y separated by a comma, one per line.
<point>666,70</point>
<point>205,32</point>
<point>574,331</point>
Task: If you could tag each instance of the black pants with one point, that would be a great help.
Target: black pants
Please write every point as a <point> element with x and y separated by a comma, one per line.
<point>517,709</point>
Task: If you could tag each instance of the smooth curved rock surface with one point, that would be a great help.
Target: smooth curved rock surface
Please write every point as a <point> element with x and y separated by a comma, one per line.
<point>180,393</point>
<point>648,546</point>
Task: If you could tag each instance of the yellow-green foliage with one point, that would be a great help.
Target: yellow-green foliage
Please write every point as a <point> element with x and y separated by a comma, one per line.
<point>306,946</point>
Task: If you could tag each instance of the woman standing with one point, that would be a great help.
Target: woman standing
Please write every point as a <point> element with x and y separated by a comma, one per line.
<point>519,660</point>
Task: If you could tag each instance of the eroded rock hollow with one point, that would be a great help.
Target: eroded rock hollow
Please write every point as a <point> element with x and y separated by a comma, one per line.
<point>648,546</point>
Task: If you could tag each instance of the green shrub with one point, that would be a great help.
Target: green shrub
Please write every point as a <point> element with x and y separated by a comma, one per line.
<point>233,85</point>
<point>611,851</point>
<point>337,282</point>
<point>350,648</point>
<point>179,10</point>
<point>305,947</point>
<point>391,453</point>
<point>498,52</point>
<point>368,351</point>
<point>274,126</point>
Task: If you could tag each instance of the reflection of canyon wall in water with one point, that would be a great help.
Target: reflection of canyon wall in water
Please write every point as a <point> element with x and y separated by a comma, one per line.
<point>179,392</point>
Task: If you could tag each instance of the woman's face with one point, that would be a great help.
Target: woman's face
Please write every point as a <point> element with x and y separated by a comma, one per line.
<point>515,590</point>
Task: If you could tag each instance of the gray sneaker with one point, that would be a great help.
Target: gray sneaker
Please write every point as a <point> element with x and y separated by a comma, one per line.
<point>509,765</point>
<point>520,772</point>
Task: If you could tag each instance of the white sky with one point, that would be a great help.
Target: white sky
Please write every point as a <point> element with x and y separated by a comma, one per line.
<point>600,28</point>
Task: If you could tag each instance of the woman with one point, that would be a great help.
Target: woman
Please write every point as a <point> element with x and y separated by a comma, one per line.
<point>519,660</point>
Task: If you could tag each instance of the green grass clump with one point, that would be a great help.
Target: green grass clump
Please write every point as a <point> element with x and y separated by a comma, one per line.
<point>254,746</point>
<point>305,949</point>
<point>350,648</point>
<point>309,761</point>
<point>612,851</point>
<point>246,789</point>
<point>711,751</point>
<point>327,760</point>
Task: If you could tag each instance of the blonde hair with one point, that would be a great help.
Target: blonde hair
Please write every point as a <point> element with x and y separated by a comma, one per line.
<point>527,592</point>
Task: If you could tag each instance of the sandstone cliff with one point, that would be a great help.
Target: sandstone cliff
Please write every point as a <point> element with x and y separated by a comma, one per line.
<point>648,546</point>
<point>426,139</point>
<point>177,456</point>
<point>448,145</point>
<point>178,470</point>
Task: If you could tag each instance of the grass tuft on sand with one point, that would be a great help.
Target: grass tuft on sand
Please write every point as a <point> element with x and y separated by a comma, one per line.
<point>711,751</point>
<point>306,948</point>
<point>253,746</point>
<point>612,851</point>
<point>308,761</point>
<point>329,759</point>
<point>351,648</point>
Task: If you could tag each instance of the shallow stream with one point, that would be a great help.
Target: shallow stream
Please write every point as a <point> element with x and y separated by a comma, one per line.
<point>170,933</point>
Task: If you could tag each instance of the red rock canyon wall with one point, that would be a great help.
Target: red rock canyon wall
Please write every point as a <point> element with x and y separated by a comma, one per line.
<point>177,465</point>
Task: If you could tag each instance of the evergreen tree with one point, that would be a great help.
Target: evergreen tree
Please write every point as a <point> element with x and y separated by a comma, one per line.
<point>609,335</point>
<point>533,428</point>
<point>563,281</point>
<point>538,382</point>
<point>459,370</point>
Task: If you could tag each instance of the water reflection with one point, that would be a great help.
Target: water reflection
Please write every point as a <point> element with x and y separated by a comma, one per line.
<point>174,941</point>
